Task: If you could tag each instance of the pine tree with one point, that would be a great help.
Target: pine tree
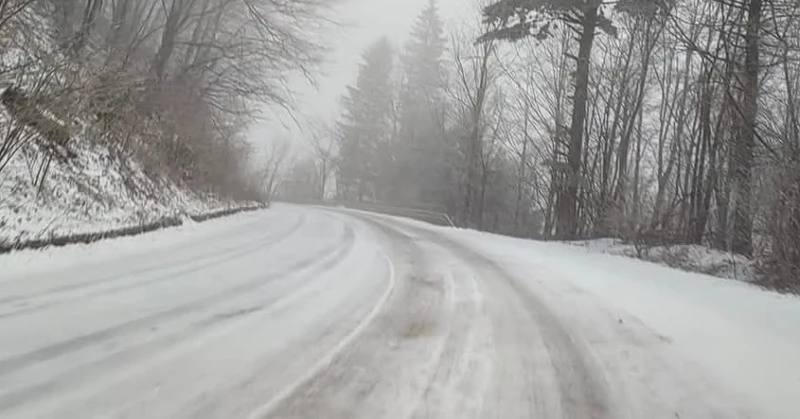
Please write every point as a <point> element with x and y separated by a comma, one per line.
<point>366,123</point>
<point>423,60</point>
<point>421,107</point>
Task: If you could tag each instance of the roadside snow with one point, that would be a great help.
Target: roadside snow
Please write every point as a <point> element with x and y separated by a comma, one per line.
<point>746,338</point>
<point>209,322</point>
<point>92,193</point>
<point>215,319</point>
<point>31,262</point>
<point>666,342</point>
<point>688,257</point>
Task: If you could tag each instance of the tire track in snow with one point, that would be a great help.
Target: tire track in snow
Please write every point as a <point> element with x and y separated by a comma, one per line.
<point>581,387</point>
<point>409,364</point>
<point>216,257</point>
<point>135,254</point>
<point>372,377</point>
<point>21,361</point>
<point>309,267</point>
<point>225,255</point>
<point>329,358</point>
<point>457,386</point>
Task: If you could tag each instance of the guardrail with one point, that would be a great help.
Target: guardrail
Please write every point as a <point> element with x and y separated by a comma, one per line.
<point>431,216</point>
<point>91,237</point>
<point>428,216</point>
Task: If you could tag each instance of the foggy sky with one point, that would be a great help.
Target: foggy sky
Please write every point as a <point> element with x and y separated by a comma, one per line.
<point>364,21</point>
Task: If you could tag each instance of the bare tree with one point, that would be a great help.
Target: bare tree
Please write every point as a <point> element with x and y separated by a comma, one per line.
<point>168,84</point>
<point>276,162</point>
<point>323,145</point>
<point>476,75</point>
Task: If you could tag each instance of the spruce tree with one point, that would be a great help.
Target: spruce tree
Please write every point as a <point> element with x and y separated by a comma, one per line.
<point>422,111</point>
<point>366,124</point>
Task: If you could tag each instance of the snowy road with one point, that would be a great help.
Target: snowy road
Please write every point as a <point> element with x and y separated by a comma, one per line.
<point>319,313</point>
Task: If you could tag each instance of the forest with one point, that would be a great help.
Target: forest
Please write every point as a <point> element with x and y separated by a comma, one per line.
<point>655,122</point>
<point>166,86</point>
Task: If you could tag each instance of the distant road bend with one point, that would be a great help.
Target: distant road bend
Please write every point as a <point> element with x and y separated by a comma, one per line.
<point>304,312</point>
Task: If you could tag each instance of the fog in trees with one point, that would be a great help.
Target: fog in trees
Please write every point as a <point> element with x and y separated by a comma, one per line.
<point>653,122</point>
<point>657,123</point>
<point>170,85</point>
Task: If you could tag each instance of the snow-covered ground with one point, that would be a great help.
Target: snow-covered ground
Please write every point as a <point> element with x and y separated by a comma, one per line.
<point>297,312</point>
<point>727,337</point>
<point>689,257</point>
<point>94,192</point>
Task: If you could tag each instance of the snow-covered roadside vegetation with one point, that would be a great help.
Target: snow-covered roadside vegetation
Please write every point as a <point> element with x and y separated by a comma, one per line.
<point>121,113</point>
<point>670,125</point>
<point>94,193</point>
<point>688,257</point>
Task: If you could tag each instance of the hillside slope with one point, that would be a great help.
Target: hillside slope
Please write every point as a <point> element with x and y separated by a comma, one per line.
<point>89,142</point>
<point>91,193</point>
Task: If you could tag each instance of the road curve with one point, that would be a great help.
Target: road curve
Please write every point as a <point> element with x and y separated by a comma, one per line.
<point>308,313</point>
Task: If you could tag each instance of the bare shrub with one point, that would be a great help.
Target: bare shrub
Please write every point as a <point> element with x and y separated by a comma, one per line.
<point>781,268</point>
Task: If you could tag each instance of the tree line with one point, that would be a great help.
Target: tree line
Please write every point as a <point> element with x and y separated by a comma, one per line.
<point>168,84</point>
<point>654,121</point>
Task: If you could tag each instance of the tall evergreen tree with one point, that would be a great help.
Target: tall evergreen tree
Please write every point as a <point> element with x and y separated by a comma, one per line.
<point>366,124</point>
<point>422,111</point>
<point>423,60</point>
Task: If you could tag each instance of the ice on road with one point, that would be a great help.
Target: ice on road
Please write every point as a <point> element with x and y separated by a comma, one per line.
<point>297,312</point>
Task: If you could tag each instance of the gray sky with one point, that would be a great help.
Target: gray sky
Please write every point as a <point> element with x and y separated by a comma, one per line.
<point>365,21</point>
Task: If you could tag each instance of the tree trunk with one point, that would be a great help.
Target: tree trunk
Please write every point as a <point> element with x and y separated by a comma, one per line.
<point>520,177</point>
<point>119,15</point>
<point>175,17</point>
<point>742,153</point>
<point>89,16</point>
<point>323,179</point>
<point>567,212</point>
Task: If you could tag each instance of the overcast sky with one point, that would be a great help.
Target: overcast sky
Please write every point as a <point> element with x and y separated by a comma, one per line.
<point>364,22</point>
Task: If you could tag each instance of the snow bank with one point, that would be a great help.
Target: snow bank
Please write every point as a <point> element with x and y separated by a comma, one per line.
<point>95,193</point>
<point>92,193</point>
<point>744,337</point>
<point>688,257</point>
<point>32,262</point>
